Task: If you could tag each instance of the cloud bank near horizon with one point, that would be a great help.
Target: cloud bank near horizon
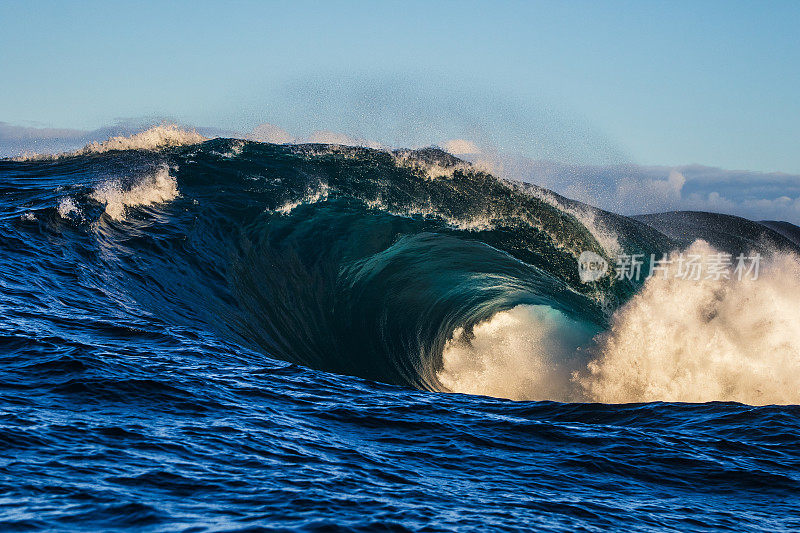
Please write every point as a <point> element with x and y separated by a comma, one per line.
<point>638,189</point>
<point>628,189</point>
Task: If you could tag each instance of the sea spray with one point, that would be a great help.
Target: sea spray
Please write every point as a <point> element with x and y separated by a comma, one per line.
<point>704,340</point>
<point>154,188</point>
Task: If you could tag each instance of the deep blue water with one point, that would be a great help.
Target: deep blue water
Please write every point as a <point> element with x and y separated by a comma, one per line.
<point>247,337</point>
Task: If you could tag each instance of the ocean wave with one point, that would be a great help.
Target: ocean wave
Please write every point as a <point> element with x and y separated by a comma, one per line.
<point>432,165</point>
<point>589,216</point>
<point>318,194</point>
<point>246,335</point>
<point>66,207</point>
<point>383,266</point>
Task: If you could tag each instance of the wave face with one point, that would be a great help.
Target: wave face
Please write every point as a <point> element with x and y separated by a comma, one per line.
<point>227,319</point>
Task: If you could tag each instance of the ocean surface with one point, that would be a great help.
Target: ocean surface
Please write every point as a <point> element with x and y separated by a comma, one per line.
<point>222,335</point>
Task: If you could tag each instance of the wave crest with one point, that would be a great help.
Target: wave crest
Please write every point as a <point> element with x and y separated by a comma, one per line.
<point>156,188</point>
<point>154,138</point>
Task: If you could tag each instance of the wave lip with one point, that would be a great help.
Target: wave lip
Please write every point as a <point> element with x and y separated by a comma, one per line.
<point>154,138</point>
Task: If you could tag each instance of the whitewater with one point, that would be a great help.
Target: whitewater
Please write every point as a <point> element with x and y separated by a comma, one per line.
<point>369,337</point>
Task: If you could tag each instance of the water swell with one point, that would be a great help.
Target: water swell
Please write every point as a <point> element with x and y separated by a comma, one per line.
<point>409,268</point>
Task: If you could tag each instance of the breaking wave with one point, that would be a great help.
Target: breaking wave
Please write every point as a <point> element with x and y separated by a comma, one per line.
<point>705,340</point>
<point>677,340</point>
<point>416,268</point>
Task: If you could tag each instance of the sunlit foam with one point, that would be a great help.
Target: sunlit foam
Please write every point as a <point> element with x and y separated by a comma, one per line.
<point>707,340</point>
<point>66,207</point>
<point>154,138</point>
<point>156,188</point>
<point>526,353</point>
<point>677,340</point>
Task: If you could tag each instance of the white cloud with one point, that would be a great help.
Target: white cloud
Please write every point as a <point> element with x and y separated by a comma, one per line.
<point>652,193</point>
<point>713,201</point>
<point>635,189</point>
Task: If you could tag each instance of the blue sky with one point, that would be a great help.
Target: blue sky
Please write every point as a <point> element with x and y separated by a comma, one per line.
<point>665,83</point>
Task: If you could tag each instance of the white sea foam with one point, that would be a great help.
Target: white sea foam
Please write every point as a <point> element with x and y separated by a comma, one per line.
<point>429,170</point>
<point>66,207</point>
<point>313,196</point>
<point>477,222</point>
<point>526,353</point>
<point>698,341</point>
<point>155,188</point>
<point>154,138</point>
<point>677,340</point>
